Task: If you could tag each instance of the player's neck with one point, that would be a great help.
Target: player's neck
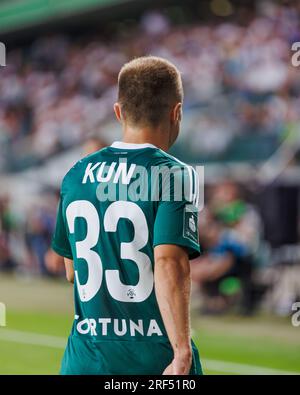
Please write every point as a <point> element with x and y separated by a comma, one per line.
<point>145,135</point>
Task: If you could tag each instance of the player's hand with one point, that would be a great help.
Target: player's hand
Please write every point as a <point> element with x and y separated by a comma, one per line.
<point>181,365</point>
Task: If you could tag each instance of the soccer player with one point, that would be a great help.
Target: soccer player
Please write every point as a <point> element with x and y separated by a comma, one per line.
<point>127,233</point>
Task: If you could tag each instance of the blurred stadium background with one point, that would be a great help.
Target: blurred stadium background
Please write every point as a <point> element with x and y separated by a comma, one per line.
<point>241,121</point>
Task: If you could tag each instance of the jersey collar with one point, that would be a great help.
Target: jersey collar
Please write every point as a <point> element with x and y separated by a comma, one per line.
<point>122,145</point>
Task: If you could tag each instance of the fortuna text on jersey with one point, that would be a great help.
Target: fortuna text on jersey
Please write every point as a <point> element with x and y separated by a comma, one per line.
<point>120,327</point>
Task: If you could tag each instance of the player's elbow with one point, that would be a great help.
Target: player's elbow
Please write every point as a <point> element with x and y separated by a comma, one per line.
<point>173,260</point>
<point>173,265</point>
<point>70,277</point>
<point>69,265</point>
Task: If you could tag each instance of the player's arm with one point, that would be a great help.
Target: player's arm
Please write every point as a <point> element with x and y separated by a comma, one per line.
<point>60,243</point>
<point>175,241</point>
<point>69,269</point>
<point>172,286</point>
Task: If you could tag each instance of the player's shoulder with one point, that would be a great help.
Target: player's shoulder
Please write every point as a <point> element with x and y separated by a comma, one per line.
<point>75,170</point>
<point>164,158</point>
<point>172,165</point>
<point>181,171</point>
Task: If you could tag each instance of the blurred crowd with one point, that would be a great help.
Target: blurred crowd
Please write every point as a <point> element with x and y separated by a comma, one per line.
<point>59,91</point>
<point>25,237</point>
<point>237,75</point>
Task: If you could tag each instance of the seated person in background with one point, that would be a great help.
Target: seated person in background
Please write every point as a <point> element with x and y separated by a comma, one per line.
<point>240,220</point>
<point>231,238</point>
<point>223,258</point>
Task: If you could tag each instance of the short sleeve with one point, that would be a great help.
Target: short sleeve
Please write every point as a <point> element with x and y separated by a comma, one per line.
<point>176,220</point>
<point>60,242</point>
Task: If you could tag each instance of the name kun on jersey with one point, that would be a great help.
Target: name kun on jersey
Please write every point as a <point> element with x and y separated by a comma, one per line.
<point>120,327</point>
<point>114,170</point>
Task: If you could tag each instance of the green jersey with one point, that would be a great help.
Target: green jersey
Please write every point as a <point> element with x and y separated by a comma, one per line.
<point>116,205</point>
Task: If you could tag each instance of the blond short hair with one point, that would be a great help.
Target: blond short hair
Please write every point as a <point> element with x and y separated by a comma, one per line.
<point>148,87</point>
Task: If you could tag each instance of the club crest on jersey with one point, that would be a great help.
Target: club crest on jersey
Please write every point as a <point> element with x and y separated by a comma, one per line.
<point>131,293</point>
<point>192,224</point>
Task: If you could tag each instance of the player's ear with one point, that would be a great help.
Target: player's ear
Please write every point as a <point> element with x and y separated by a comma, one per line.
<point>176,113</point>
<point>117,110</point>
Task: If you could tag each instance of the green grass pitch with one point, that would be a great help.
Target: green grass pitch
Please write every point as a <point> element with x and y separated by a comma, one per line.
<point>39,317</point>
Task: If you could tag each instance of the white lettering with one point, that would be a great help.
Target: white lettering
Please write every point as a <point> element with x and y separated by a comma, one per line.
<point>120,327</point>
<point>136,327</point>
<point>122,171</point>
<point>153,329</point>
<point>104,322</point>
<point>111,168</point>
<point>89,172</point>
<point>116,327</point>
<point>80,326</point>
